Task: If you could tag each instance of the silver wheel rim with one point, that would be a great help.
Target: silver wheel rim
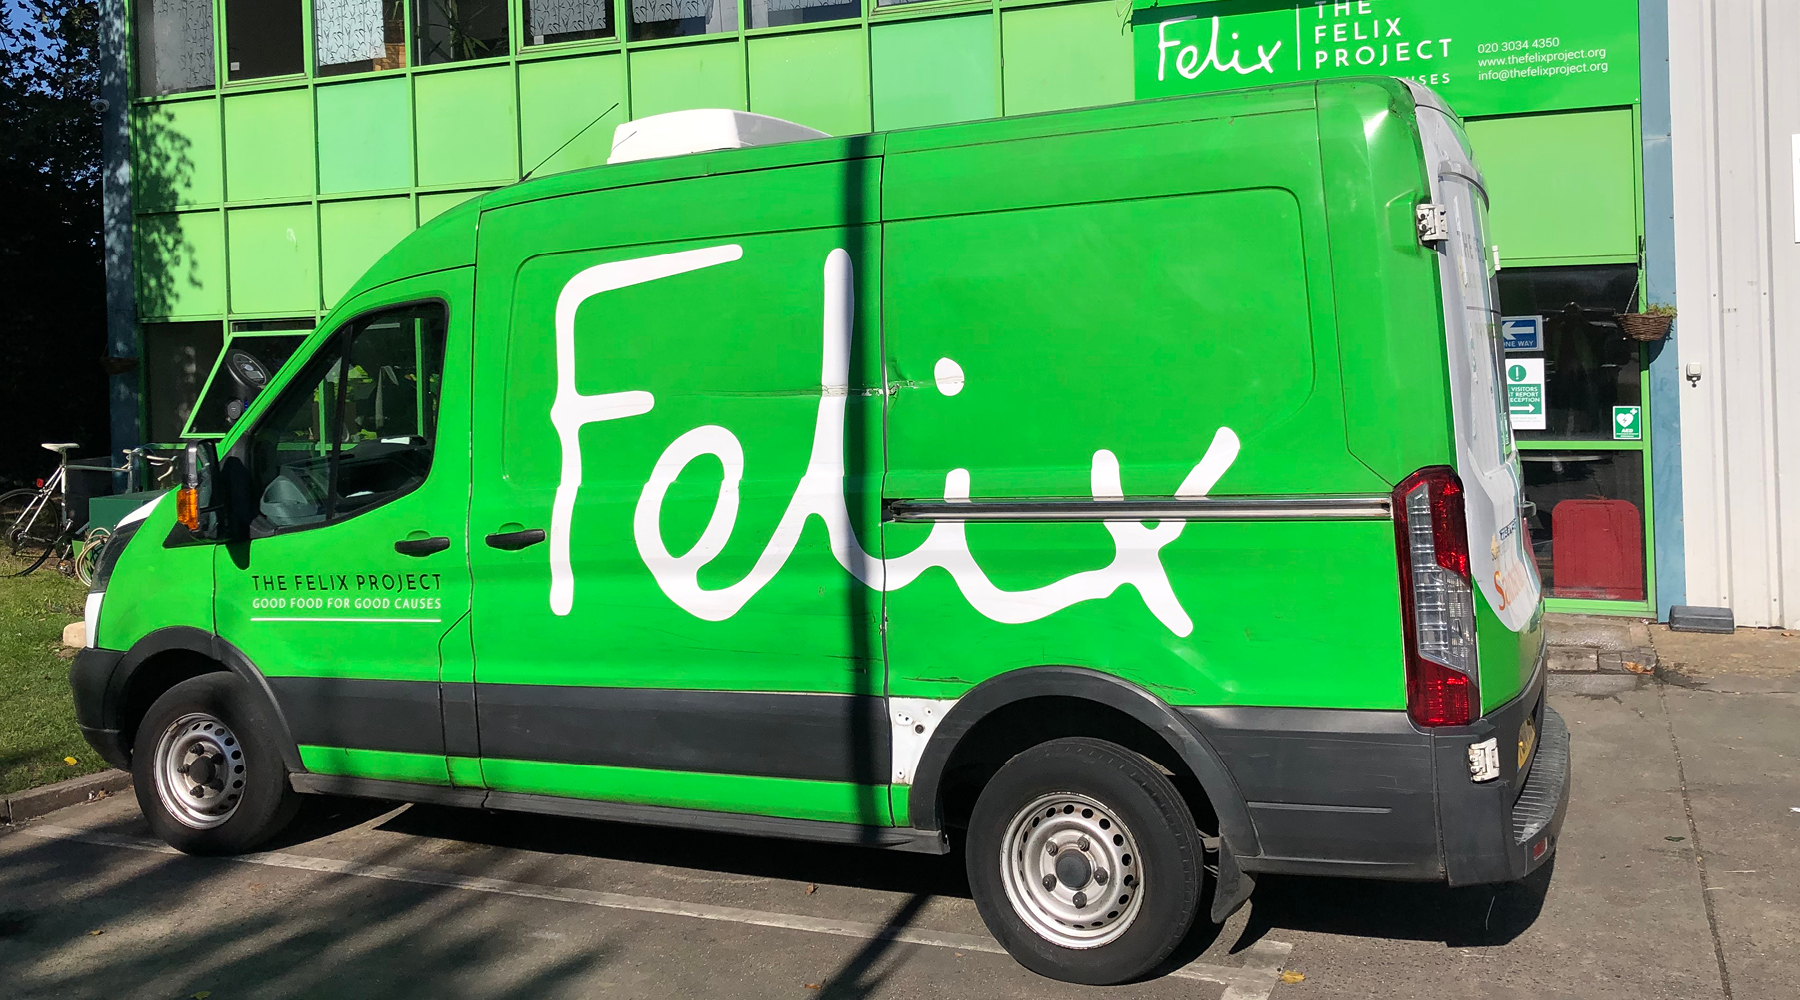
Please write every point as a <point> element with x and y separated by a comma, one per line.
<point>1072,871</point>
<point>200,771</point>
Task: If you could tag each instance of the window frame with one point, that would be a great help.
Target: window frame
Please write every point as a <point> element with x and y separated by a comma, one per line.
<point>243,449</point>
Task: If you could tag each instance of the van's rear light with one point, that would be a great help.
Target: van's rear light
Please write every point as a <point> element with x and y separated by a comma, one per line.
<point>1436,598</point>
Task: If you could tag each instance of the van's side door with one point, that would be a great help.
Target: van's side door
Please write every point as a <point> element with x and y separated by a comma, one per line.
<point>675,509</point>
<point>355,569</point>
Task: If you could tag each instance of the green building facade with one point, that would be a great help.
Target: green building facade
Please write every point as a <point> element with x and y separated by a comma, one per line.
<point>276,148</point>
<point>264,187</point>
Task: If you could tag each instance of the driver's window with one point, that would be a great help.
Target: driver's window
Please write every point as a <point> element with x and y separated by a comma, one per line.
<point>357,427</point>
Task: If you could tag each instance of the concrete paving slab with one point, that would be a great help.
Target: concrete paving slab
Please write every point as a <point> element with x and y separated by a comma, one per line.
<point>1740,755</point>
<point>1619,916</point>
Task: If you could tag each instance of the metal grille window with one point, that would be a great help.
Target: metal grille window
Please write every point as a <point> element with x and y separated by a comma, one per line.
<point>549,21</point>
<point>776,13</point>
<point>174,46</point>
<point>357,36</point>
<point>677,18</point>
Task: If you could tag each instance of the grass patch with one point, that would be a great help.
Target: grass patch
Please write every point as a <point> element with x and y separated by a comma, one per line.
<point>37,715</point>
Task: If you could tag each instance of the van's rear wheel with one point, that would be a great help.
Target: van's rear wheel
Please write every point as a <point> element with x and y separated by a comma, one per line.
<point>1085,862</point>
<point>208,777</point>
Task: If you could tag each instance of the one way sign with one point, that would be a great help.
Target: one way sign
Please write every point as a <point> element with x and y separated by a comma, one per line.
<point>1523,333</point>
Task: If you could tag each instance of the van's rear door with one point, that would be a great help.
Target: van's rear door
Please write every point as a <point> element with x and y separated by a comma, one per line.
<point>1500,559</point>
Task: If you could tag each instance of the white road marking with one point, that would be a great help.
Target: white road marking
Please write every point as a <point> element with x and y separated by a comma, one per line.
<point>1255,980</point>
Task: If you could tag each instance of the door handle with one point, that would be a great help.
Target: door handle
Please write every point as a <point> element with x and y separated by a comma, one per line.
<point>513,541</point>
<point>421,546</point>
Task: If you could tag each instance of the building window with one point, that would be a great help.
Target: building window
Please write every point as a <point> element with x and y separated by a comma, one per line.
<point>358,36</point>
<point>262,38</point>
<point>1587,523</point>
<point>776,13</point>
<point>679,18</point>
<point>1589,365</point>
<point>551,21</point>
<point>174,46</point>
<point>454,30</point>
<point>177,359</point>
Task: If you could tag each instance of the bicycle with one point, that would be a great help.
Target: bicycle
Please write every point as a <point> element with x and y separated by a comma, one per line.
<point>33,518</point>
<point>36,521</point>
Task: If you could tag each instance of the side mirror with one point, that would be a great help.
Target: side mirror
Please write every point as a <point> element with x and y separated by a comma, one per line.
<point>248,378</point>
<point>197,502</point>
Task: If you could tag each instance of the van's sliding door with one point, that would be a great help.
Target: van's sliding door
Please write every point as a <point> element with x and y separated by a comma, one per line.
<point>677,479</point>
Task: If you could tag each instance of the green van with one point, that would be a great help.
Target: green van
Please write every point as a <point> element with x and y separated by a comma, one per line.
<point>1124,496</point>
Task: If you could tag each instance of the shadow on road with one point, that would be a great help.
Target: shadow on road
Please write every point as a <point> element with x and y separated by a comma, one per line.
<point>799,861</point>
<point>80,920</point>
<point>1470,917</point>
<point>859,977</point>
<point>174,925</point>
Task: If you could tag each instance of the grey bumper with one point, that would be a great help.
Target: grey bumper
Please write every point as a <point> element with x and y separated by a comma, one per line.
<point>1503,831</point>
<point>91,682</point>
<point>1367,794</point>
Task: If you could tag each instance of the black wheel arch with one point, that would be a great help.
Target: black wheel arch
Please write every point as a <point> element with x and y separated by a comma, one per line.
<point>169,655</point>
<point>925,799</point>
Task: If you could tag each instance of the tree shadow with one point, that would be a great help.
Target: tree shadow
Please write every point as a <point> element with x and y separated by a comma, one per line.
<point>864,973</point>
<point>83,920</point>
<point>162,175</point>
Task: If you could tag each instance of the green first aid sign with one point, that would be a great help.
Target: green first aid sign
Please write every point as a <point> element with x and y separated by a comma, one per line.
<point>1628,423</point>
<point>1485,58</point>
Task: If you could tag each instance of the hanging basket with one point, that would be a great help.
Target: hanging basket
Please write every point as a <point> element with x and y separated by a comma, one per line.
<point>1645,326</point>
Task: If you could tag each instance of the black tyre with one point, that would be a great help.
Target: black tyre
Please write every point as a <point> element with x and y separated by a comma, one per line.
<point>1085,862</point>
<point>208,777</point>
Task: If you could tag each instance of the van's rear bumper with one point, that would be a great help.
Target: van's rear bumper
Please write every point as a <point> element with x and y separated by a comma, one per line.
<point>1368,794</point>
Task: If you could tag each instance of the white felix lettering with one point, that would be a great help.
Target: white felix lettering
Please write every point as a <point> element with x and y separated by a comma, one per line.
<point>1137,559</point>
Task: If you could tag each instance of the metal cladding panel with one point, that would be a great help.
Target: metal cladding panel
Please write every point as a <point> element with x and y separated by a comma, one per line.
<point>1735,86</point>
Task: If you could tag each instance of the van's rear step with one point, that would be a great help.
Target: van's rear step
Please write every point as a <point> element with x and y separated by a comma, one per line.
<point>1543,791</point>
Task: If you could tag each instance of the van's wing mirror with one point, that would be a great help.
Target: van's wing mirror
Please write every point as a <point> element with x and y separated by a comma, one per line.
<point>249,376</point>
<point>199,505</point>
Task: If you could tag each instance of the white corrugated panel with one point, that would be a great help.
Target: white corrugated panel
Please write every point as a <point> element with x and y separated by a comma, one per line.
<point>1734,71</point>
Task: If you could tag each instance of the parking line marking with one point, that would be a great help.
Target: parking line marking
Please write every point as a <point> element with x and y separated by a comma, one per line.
<point>1255,980</point>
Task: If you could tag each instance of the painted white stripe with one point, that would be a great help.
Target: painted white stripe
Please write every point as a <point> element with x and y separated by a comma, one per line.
<point>1255,980</point>
<point>425,621</point>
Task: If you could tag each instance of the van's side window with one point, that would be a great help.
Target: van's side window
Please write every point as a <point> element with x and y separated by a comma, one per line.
<point>357,427</point>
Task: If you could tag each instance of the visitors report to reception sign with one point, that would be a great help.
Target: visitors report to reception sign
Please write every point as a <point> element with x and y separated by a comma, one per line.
<point>1486,57</point>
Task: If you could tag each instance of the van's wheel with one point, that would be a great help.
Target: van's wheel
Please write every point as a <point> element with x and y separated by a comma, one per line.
<point>208,777</point>
<point>1085,862</point>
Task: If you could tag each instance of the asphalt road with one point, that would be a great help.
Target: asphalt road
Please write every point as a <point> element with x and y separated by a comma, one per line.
<point>1678,876</point>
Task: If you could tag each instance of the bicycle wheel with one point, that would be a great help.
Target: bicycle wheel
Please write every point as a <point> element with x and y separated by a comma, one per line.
<point>30,527</point>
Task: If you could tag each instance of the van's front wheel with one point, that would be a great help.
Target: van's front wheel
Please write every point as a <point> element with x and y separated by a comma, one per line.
<point>207,776</point>
<point>1085,862</point>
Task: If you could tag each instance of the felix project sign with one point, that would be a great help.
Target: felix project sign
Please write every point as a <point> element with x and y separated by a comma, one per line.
<point>1494,57</point>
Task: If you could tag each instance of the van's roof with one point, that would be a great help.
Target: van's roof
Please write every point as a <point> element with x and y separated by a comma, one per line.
<point>449,240</point>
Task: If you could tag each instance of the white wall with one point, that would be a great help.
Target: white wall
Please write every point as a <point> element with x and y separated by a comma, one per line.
<point>1734,73</point>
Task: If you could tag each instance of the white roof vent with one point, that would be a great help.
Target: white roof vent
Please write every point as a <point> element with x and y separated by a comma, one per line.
<point>700,131</point>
